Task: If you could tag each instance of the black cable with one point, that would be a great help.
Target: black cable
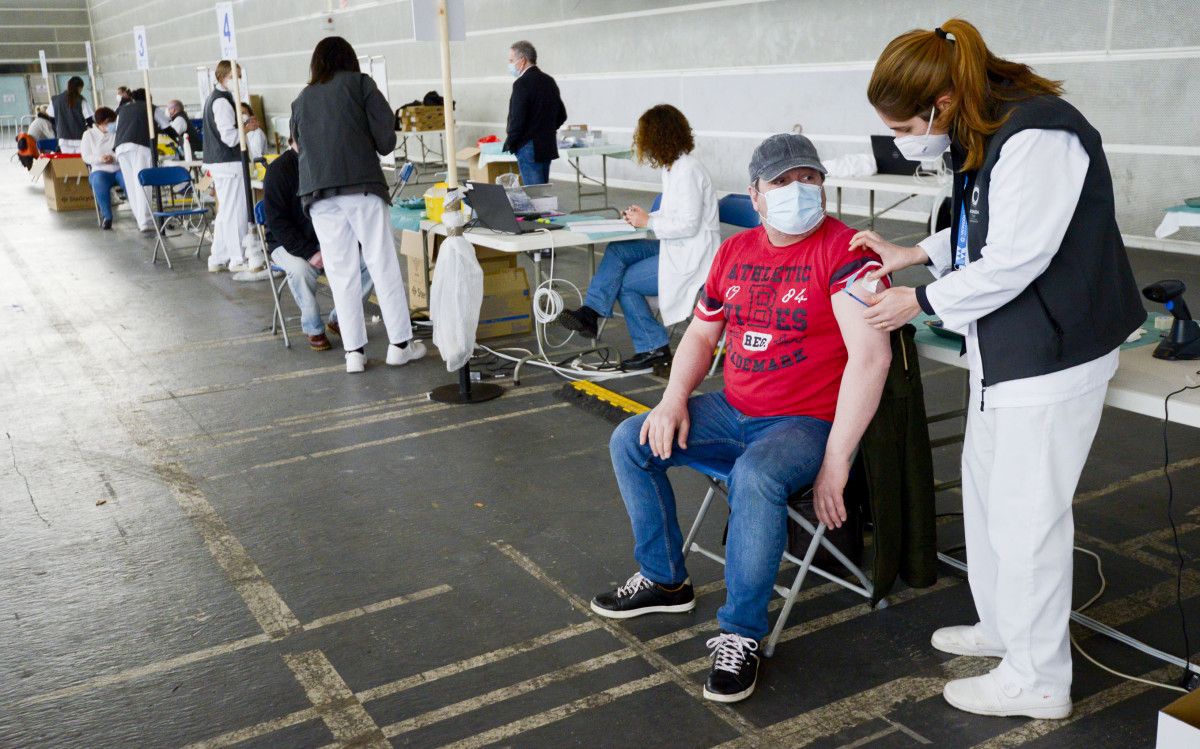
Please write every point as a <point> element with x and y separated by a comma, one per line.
<point>1187,648</point>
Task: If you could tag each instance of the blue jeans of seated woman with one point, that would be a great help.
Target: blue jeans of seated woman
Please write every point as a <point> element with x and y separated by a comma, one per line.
<point>628,273</point>
<point>772,457</point>
<point>102,185</point>
<point>532,172</point>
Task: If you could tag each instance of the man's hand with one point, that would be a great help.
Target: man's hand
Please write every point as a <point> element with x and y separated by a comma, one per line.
<point>659,428</point>
<point>316,261</point>
<point>894,256</point>
<point>892,309</point>
<point>636,216</point>
<point>827,491</point>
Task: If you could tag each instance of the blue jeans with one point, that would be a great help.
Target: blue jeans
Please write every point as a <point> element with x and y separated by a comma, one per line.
<point>102,185</point>
<point>772,457</point>
<point>532,172</point>
<point>629,272</point>
<point>302,280</point>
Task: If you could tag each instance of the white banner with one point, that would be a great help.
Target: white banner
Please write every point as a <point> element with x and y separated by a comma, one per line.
<point>204,83</point>
<point>141,48</point>
<point>87,48</point>
<point>42,59</point>
<point>226,32</point>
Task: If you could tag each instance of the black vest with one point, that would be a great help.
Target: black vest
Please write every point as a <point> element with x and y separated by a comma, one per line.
<point>215,150</point>
<point>69,122</point>
<point>131,124</point>
<point>192,133</point>
<point>1086,303</point>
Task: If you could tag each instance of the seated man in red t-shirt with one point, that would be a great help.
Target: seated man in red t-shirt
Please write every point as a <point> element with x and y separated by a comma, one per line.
<point>803,375</point>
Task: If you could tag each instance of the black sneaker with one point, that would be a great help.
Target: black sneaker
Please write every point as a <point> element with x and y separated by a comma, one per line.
<point>582,320</point>
<point>734,669</point>
<point>647,359</point>
<point>640,595</point>
<point>107,224</point>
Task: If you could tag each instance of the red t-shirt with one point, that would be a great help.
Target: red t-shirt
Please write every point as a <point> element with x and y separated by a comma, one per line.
<point>784,349</point>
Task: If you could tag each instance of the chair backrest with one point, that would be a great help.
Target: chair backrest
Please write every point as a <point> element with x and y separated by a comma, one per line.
<point>164,176</point>
<point>260,213</point>
<point>48,145</point>
<point>736,209</point>
<point>657,203</point>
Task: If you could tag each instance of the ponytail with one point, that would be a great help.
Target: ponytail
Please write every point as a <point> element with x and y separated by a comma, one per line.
<point>918,67</point>
<point>74,91</point>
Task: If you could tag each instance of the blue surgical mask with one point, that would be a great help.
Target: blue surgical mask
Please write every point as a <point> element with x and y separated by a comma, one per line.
<point>794,209</point>
<point>512,70</point>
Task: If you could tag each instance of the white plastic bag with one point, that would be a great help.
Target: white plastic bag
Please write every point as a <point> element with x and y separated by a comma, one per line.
<point>454,299</point>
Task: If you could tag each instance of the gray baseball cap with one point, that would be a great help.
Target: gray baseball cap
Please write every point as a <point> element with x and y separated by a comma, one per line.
<point>782,152</point>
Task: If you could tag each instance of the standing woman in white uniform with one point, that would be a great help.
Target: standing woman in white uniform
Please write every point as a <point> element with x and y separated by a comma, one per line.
<point>223,159</point>
<point>132,147</point>
<point>1034,273</point>
<point>342,125</point>
<point>72,114</point>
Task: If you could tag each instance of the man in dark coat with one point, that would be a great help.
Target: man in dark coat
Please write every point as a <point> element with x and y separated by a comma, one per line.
<point>535,113</point>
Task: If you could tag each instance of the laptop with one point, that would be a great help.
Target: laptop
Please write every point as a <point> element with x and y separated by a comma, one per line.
<point>888,159</point>
<point>492,210</point>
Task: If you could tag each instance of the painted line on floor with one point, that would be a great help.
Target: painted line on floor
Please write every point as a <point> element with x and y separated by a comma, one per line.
<point>214,343</point>
<point>343,714</point>
<point>865,740</point>
<point>240,735</point>
<point>230,647</point>
<point>264,380</point>
<point>1087,541</point>
<point>1135,479</point>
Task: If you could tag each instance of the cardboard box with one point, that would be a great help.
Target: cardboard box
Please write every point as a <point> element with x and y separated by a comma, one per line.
<point>417,118</point>
<point>507,308</point>
<point>1179,723</point>
<point>66,184</point>
<point>410,247</point>
<point>488,172</point>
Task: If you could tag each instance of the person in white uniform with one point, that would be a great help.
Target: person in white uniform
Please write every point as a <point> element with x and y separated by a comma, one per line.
<point>72,114</point>
<point>343,124</point>
<point>674,264</point>
<point>256,138</point>
<point>42,127</point>
<point>132,146</point>
<point>1034,214</point>
<point>223,160</point>
<point>103,171</point>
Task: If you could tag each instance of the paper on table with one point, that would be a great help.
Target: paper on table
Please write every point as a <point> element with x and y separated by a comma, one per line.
<point>611,226</point>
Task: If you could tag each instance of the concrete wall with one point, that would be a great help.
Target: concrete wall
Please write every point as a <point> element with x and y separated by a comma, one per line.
<point>740,69</point>
<point>59,27</point>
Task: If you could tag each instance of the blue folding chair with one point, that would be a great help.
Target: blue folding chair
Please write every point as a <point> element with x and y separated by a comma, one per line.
<point>260,222</point>
<point>171,177</point>
<point>737,210</point>
<point>718,479</point>
<point>657,203</point>
<point>48,145</point>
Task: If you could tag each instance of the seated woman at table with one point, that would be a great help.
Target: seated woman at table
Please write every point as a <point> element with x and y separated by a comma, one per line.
<point>97,152</point>
<point>673,265</point>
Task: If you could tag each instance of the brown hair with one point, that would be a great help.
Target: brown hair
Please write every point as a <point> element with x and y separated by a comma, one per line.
<point>74,91</point>
<point>332,55</point>
<point>224,70</point>
<point>104,115</point>
<point>662,135</point>
<point>919,66</point>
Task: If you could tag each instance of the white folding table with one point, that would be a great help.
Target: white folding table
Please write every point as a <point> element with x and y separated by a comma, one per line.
<point>909,186</point>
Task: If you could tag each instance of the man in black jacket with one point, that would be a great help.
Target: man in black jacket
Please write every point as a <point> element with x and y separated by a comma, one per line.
<point>535,113</point>
<point>294,246</point>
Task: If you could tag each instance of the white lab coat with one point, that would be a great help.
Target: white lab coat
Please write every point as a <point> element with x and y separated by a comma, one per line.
<point>687,229</point>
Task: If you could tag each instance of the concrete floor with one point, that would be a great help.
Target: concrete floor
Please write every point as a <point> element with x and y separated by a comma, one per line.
<point>209,540</point>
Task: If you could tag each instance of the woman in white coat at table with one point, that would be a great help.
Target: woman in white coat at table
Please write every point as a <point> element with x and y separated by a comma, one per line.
<point>223,159</point>
<point>1034,273</point>
<point>672,266</point>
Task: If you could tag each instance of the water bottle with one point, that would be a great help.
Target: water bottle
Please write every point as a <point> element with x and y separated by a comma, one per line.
<point>187,148</point>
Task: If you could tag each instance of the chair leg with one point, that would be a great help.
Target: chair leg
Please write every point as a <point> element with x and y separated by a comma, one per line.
<point>695,529</point>
<point>160,242</point>
<point>200,240</point>
<point>717,356</point>
<point>790,599</point>
<point>277,314</point>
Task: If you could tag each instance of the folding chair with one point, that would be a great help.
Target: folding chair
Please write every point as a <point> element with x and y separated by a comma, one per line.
<point>169,177</point>
<point>735,209</point>
<point>47,145</point>
<point>260,223</point>
<point>718,478</point>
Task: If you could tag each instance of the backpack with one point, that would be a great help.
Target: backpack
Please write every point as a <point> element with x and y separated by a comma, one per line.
<point>27,150</point>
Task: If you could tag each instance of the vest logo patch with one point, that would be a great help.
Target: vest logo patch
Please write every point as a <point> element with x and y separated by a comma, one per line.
<point>975,196</point>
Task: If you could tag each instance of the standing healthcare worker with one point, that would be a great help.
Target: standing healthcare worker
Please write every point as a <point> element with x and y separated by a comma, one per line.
<point>1034,273</point>
<point>223,159</point>
<point>132,146</point>
<point>72,114</point>
<point>342,125</point>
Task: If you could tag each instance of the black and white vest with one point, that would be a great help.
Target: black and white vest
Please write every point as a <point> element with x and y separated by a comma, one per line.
<point>1086,303</point>
<point>131,125</point>
<point>69,122</point>
<point>215,150</point>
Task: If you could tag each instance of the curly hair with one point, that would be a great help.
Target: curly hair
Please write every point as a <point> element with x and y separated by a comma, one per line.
<point>662,135</point>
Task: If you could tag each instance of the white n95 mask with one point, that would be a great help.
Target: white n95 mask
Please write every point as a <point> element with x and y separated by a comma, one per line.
<point>794,209</point>
<point>923,147</point>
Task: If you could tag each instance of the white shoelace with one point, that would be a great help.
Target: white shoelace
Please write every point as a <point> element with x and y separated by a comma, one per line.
<point>634,584</point>
<point>730,651</point>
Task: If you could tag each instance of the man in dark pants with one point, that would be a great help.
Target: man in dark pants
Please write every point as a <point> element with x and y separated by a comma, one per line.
<point>535,113</point>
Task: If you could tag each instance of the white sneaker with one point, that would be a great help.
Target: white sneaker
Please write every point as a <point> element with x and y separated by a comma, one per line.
<point>964,640</point>
<point>988,695</point>
<point>217,267</point>
<point>239,266</point>
<point>355,362</point>
<point>401,356</point>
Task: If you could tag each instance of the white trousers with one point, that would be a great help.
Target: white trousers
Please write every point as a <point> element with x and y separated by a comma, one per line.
<point>343,223</point>
<point>132,161</point>
<point>229,225</point>
<point>1020,470</point>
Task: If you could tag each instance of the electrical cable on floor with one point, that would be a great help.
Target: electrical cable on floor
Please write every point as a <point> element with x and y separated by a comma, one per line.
<point>1187,648</point>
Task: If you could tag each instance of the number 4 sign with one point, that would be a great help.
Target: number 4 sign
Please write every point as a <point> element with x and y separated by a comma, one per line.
<point>226,32</point>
